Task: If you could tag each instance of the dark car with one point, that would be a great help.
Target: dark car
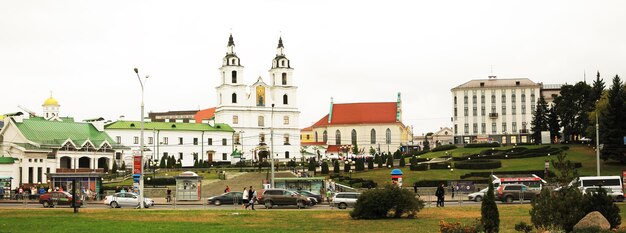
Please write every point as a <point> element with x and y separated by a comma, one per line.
<point>55,198</point>
<point>276,197</point>
<point>226,198</point>
<point>316,197</point>
<point>507,193</point>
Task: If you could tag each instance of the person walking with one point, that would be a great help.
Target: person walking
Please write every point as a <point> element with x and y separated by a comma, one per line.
<point>253,198</point>
<point>452,190</point>
<point>415,187</point>
<point>440,193</point>
<point>244,200</point>
<point>168,197</point>
<point>227,189</point>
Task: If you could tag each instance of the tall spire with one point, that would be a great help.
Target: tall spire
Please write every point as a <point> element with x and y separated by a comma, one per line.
<point>280,42</point>
<point>231,42</point>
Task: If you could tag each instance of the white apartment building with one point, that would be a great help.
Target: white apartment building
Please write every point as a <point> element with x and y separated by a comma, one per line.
<point>494,110</point>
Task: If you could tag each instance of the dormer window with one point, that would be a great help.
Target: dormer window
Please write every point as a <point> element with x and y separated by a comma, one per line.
<point>282,63</point>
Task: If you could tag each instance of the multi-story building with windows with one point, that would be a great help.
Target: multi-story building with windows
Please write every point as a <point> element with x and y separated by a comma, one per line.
<point>494,110</point>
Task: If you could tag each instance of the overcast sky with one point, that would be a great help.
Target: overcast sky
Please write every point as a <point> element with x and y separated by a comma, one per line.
<point>355,51</point>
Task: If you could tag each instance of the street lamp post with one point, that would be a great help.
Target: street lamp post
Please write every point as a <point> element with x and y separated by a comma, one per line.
<point>272,146</point>
<point>141,143</point>
<point>597,145</point>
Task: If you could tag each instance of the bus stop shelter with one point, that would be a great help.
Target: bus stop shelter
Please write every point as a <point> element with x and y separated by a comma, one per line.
<point>311,184</point>
<point>188,186</point>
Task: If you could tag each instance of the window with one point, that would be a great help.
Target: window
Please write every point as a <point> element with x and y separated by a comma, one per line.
<point>456,129</point>
<point>308,137</point>
<point>315,136</point>
<point>165,140</point>
<point>261,138</point>
<point>337,137</point>
<point>180,141</point>
<point>224,142</point>
<point>455,112</point>
<point>325,136</point>
<point>523,109</point>
<point>353,137</point>
<point>474,99</point>
<point>474,111</point>
<point>118,139</point>
<point>514,127</point>
<point>235,119</point>
<point>465,100</point>
<point>285,120</point>
<point>224,156</point>
<point>285,99</point>
<point>493,128</point>
<point>282,62</point>
<point>482,99</point>
<point>286,154</point>
<point>475,128</point>
<point>513,98</point>
<point>261,121</point>
<point>286,139</point>
<point>513,110</point>
<point>493,99</point>
<point>388,136</point>
<point>284,78</point>
<point>234,98</point>
<point>454,99</point>
<point>503,127</point>
<point>483,127</point>
<point>466,128</point>
<point>523,98</point>
<point>150,140</point>
<point>482,110</point>
<point>373,136</point>
<point>209,141</point>
<point>195,141</point>
<point>236,139</point>
<point>465,111</point>
<point>180,155</point>
<point>503,110</point>
<point>136,140</point>
<point>234,76</point>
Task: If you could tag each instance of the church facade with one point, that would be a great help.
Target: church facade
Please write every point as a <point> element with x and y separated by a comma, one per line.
<point>264,115</point>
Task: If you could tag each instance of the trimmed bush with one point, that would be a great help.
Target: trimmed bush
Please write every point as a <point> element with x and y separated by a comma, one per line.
<point>445,165</point>
<point>419,167</point>
<point>601,202</point>
<point>490,216</point>
<point>488,174</point>
<point>159,181</point>
<point>443,148</point>
<point>479,145</point>
<point>325,168</point>
<point>478,164</point>
<point>390,201</point>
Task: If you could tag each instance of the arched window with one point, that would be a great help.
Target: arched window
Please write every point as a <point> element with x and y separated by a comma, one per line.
<point>282,63</point>
<point>286,139</point>
<point>234,98</point>
<point>315,136</point>
<point>373,136</point>
<point>285,99</point>
<point>234,76</point>
<point>353,137</point>
<point>388,136</point>
<point>232,62</point>
<point>284,78</point>
<point>325,136</point>
<point>337,137</point>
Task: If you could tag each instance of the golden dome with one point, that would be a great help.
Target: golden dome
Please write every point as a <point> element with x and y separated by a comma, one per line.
<point>51,102</point>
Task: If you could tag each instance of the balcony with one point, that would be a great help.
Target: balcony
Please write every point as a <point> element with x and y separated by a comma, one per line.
<point>523,131</point>
<point>493,115</point>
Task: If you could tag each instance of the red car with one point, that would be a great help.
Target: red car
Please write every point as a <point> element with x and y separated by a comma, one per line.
<point>55,198</point>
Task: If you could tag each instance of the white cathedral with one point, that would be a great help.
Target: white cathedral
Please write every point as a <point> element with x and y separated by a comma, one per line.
<point>255,111</point>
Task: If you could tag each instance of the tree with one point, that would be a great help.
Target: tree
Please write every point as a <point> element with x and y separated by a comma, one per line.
<point>490,216</point>
<point>402,162</point>
<point>378,160</point>
<point>553,123</point>
<point>325,168</point>
<point>603,203</point>
<point>540,120</point>
<point>370,163</point>
<point>598,87</point>
<point>123,165</point>
<point>162,162</point>
<point>312,166</point>
<point>426,144</point>
<point>572,107</point>
<point>336,167</point>
<point>114,169</point>
<point>567,169</point>
<point>355,149</point>
<point>613,127</point>
<point>346,166</point>
<point>391,201</point>
<point>389,161</point>
<point>372,151</point>
<point>560,209</point>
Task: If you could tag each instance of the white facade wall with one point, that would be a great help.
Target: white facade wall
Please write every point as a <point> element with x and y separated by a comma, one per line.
<point>364,136</point>
<point>167,142</point>
<point>467,115</point>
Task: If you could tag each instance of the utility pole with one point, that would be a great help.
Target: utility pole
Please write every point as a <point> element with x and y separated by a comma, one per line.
<point>272,146</point>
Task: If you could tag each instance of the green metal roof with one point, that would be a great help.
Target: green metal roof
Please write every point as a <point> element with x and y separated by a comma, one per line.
<point>54,133</point>
<point>136,125</point>
<point>7,160</point>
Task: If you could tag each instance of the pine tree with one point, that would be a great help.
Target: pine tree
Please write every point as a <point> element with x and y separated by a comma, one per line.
<point>312,166</point>
<point>325,168</point>
<point>378,160</point>
<point>370,163</point>
<point>553,124</point>
<point>613,121</point>
<point>114,169</point>
<point>346,166</point>
<point>389,161</point>
<point>162,162</point>
<point>402,162</point>
<point>123,165</point>
<point>336,167</point>
<point>540,120</point>
<point>490,216</point>
<point>598,87</point>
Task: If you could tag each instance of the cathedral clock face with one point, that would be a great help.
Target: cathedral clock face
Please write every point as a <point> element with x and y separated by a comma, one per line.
<point>260,96</point>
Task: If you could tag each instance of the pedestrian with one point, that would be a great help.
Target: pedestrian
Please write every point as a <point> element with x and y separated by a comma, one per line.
<point>244,201</point>
<point>20,193</point>
<point>1,193</point>
<point>227,189</point>
<point>123,190</point>
<point>415,187</point>
<point>253,198</point>
<point>440,193</point>
<point>452,191</point>
<point>168,197</point>
<point>328,194</point>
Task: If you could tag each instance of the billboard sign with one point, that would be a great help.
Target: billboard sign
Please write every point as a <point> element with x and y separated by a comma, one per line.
<point>545,137</point>
<point>136,164</point>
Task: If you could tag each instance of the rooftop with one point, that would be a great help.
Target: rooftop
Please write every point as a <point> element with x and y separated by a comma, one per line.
<point>136,125</point>
<point>495,83</point>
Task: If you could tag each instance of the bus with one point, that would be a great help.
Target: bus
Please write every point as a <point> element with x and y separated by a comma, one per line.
<point>533,181</point>
<point>609,182</point>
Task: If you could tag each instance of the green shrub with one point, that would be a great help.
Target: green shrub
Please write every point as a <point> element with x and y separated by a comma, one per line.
<point>336,167</point>
<point>601,202</point>
<point>490,216</point>
<point>478,164</point>
<point>523,227</point>
<point>160,181</point>
<point>479,145</point>
<point>402,163</point>
<point>443,148</point>
<point>370,163</point>
<point>390,201</point>
<point>457,227</point>
<point>419,167</point>
<point>445,165</point>
<point>560,209</point>
<point>325,168</point>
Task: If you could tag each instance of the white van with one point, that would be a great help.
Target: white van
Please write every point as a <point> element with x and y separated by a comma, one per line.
<point>613,183</point>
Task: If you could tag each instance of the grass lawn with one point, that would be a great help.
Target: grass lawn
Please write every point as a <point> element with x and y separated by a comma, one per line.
<point>169,174</point>
<point>130,220</point>
<point>576,153</point>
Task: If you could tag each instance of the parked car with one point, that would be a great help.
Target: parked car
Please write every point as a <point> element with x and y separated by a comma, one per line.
<point>276,197</point>
<point>617,196</point>
<point>478,196</point>
<point>126,199</point>
<point>316,197</point>
<point>344,200</point>
<point>507,193</point>
<point>54,198</point>
<point>226,198</point>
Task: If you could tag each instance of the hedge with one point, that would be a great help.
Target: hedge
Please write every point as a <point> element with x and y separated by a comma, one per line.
<point>478,164</point>
<point>435,183</point>
<point>443,147</point>
<point>160,181</point>
<point>440,165</point>
<point>539,173</point>
<point>479,145</point>
<point>419,167</point>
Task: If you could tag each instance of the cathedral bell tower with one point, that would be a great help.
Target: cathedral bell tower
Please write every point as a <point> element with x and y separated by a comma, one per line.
<point>231,90</point>
<point>281,73</point>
